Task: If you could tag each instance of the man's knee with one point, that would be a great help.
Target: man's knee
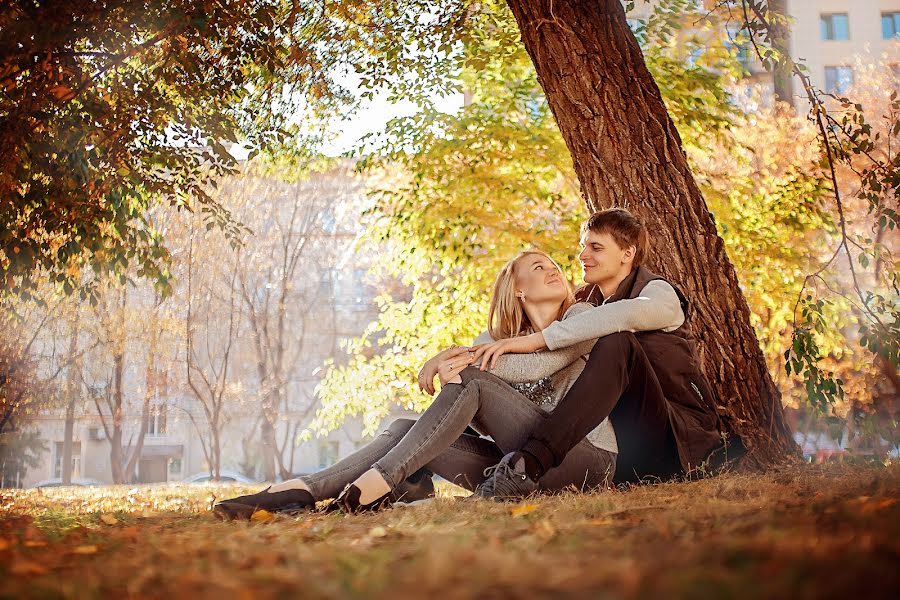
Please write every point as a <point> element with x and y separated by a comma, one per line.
<point>618,343</point>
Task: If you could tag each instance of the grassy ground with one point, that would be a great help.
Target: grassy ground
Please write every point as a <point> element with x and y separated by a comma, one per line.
<point>806,532</point>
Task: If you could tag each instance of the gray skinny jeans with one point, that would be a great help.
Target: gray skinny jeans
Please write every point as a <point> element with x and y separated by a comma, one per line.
<point>437,441</point>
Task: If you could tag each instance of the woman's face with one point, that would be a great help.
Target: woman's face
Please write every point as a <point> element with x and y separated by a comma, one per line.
<point>538,279</point>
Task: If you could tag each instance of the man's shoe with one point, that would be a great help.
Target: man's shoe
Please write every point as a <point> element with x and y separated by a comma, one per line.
<point>243,507</point>
<point>506,480</point>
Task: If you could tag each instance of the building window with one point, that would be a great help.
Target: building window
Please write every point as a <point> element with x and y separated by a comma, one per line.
<point>175,468</point>
<point>328,453</point>
<point>157,424</point>
<point>835,27</point>
<point>326,283</point>
<point>743,49</point>
<point>838,80</point>
<point>327,220</point>
<point>890,25</point>
<point>351,290</point>
<point>76,460</point>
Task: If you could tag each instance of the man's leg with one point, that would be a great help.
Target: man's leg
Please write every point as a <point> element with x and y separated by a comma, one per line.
<point>617,382</point>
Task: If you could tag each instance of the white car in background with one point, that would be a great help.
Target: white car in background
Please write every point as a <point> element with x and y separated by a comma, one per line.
<point>57,482</point>
<point>224,477</point>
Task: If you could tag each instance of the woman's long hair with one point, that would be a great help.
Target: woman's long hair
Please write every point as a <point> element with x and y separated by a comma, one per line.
<point>507,317</point>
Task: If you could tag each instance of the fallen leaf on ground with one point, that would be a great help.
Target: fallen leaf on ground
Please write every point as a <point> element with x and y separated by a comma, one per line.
<point>4,544</point>
<point>27,567</point>
<point>109,519</point>
<point>545,530</point>
<point>602,521</point>
<point>35,543</point>
<point>84,550</point>
<point>524,509</point>
<point>378,532</point>
<point>262,516</point>
<point>868,507</point>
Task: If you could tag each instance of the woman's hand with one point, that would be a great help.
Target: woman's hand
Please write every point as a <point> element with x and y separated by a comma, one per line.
<point>432,367</point>
<point>449,368</point>
<point>489,353</point>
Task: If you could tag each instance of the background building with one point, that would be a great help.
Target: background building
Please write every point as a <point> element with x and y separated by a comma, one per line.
<point>827,36</point>
<point>329,301</point>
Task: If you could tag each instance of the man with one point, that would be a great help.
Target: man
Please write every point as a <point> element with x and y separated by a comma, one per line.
<point>643,372</point>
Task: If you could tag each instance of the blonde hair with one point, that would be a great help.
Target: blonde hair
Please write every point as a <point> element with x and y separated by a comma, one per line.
<point>507,317</point>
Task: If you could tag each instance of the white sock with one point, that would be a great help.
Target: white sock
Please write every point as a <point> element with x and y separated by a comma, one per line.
<point>290,484</point>
<point>372,486</point>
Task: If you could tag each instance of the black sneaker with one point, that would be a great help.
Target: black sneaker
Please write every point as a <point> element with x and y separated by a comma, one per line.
<point>243,507</point>
<point>506,480</point>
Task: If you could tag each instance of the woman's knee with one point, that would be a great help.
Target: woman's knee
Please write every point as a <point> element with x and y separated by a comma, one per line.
<point>400,427</point>
<point>470,374</point>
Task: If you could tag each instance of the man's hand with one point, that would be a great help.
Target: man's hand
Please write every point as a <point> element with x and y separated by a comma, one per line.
<point>432,367</point>
<point>489,353</point>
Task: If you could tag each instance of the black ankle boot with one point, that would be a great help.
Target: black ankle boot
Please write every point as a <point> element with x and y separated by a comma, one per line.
<point>243,507</point>
<point>417,486</point>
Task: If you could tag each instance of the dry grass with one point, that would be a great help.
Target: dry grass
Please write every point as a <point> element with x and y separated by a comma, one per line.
<point>807,532</point>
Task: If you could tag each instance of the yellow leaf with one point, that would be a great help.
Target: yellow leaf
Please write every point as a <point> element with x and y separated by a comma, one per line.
<point>545,530</point>
<point>27,567</point>
<point>262,516</point>
<point>378,532</point>
<point>523,509</point>
<point>109,519</point>
<point>602,521</point>
<point>84,550</point>
<point>35,543</point>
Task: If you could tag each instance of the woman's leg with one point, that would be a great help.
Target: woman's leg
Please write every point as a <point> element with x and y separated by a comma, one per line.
<point>329,482</point>
<point>494,409</point>
<point>463,463</point>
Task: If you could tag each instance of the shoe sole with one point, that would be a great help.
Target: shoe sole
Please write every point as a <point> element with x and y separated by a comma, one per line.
<point>231,511</point>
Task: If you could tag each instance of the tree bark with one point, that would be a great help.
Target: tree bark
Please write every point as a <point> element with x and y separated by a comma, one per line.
<point>781,40</point>
<point>627,152</point>
<point>71,383</point>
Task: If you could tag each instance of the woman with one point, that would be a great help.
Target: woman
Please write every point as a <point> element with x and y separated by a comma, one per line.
<point>506,404</point>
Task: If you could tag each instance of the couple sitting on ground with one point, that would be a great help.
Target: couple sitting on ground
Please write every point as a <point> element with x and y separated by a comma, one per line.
<point>575,392</point>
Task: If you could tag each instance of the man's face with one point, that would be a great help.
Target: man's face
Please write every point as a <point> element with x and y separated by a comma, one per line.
<point>602,259</point>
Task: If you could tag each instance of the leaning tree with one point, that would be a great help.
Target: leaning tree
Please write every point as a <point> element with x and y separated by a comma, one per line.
<point>627,152</point>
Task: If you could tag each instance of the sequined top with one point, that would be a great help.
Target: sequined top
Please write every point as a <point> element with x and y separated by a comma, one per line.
<point>540,392</point>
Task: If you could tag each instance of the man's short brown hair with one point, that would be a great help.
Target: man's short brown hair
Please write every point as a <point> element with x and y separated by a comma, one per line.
<point>625,228</point>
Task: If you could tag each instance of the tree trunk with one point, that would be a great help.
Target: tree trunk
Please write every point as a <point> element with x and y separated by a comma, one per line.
<point>781,39</point>
<point>268,447</point>
<point>71,382</point>
<point>627,152</point>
